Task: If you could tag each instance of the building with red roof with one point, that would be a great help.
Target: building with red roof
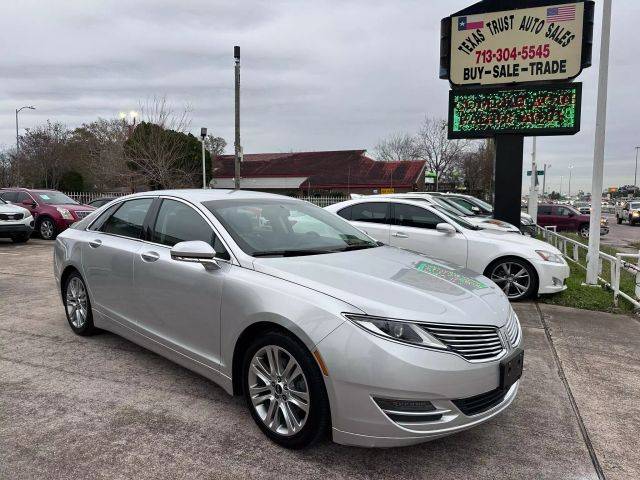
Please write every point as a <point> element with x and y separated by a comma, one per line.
<point>324,173</point>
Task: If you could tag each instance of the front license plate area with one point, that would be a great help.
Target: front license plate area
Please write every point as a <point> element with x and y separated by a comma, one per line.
<point>511,369</point>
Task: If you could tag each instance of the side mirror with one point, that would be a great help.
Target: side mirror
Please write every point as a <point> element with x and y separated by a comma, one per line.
<point>195,251</point>
<point>446,228</point>
<point>572,214</point>
<point>28,203</point>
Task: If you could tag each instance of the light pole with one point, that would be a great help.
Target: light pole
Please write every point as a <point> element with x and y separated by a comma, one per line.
<point>238,148</point>
<point>570,170</point>
<point>203,135</point>
<point>18,110</point>
<point>635,176</point>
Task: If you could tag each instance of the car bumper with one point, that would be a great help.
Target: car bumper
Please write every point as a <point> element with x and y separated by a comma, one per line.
<point>362,367</point>
<point>62,224</point>
<point>22,228</point>
<point>551,276</point>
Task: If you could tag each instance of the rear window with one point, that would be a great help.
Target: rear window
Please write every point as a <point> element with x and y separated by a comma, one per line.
<point>372,212</point>
<point>544,210</point>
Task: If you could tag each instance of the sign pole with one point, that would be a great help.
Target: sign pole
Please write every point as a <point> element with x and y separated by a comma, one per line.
<point>533,191</point>
<point>593,257</point>
<point>508,167</point>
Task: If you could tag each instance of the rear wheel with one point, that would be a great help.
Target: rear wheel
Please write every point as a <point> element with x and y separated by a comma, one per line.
<point>584,230</point>
<point>78,306</point>
<point>516,278</point>
<point>284,390</point>
<point>47,229</point>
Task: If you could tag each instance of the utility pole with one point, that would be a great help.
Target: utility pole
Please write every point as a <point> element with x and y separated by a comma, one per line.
<point>544,180</point>
<point>203,135</point>
<point>238,148</point>
<point>635,176</point>
<point>533,191</point>
<point>593,255</point>
<point>18,110</point>
<point>570,170</point>
<point>561,177</point>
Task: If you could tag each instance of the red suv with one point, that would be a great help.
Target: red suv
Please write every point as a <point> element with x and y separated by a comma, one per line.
<point>52,211</point>
<point>565,217</point>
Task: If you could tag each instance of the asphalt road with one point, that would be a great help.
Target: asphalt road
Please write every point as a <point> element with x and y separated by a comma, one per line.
<point>622,235</point>
<point>102,407</point>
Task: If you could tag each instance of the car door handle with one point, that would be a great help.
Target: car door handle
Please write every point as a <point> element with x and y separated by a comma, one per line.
<point>95,243</point>
<point>399,235</point>
<point>150,256</point>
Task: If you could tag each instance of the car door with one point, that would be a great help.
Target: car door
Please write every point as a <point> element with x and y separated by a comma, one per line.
<point>371,217</point>
<point>179,302</point>
<point>27,201</point>
<point>107,258</point>
<point>564,218</point>
<point>414,228</point>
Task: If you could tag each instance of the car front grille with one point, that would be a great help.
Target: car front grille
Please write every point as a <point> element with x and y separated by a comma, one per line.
<point>11,216</point>
<point>512,329</point>
<point>83,213</point>
<point>473,343</point>
<point>480,403</point>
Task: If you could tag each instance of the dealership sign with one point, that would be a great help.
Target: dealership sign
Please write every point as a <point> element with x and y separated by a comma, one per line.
<point>526,110</point>
<point>538,44</point>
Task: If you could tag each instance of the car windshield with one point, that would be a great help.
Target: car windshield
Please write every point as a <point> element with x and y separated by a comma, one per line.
<point>634,205</point>
<point>55,198</point>
<point>455,217</point>
<point>453,206</point>
<point>274,227</point>
<point>2,202</point>
<point>482,204</point>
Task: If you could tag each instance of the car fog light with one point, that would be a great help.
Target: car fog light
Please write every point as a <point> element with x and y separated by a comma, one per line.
<point>405,405</point>
<point>557,282</point>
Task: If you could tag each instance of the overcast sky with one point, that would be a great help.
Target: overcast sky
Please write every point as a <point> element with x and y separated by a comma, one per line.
<point>316,75</point>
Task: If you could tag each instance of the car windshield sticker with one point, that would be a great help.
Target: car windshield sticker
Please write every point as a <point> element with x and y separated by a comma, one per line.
<point>44,197</point>
<point>450,275</point>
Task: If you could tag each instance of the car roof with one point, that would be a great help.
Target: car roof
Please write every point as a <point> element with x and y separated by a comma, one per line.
<point>202,195</point>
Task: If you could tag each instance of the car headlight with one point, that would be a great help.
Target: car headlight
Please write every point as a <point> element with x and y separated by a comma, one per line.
<point>405,332</point>
<point>550,256</point>
<point>526,221</point>
<point>66,214</point>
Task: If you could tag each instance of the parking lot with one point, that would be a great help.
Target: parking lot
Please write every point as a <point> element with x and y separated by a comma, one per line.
<point>102,407</point>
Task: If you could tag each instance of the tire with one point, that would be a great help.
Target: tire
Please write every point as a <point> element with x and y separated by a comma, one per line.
<point>47,229</point>
<point>268,391</point>
<point>517,278</point>
<point>618,220</point>
<point>75,294</point>
<point>23,238</point>
<point>583,230</point>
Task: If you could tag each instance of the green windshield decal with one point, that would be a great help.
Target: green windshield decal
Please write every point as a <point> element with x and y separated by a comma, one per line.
<point>450,275</point>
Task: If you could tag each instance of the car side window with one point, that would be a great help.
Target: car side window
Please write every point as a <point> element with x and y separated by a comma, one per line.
<point>178,222</point>
<point>544,210</point>
<point>22,196</point>
<point>563,211</point>
<point>97,224</point>
<point>372,212</point>
<point>345,213</point>
<point>128,219</point>
<point>463,203</point>
<point>412,216</point>
<point>9,196</point>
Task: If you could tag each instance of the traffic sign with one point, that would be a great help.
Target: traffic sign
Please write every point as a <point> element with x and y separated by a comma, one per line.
<point>540,173</point>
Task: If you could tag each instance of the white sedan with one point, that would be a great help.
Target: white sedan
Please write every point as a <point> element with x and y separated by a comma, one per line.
<point>520,265</point>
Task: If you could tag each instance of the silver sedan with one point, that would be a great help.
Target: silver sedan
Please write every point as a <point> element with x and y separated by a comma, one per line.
<point>322,329</point>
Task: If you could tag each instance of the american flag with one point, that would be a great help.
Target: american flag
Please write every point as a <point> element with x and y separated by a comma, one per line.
<point>564,13</point>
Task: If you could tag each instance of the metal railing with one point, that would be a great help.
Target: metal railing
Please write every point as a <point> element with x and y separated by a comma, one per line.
<point>322,201</point>
<point>86,197</point>
<point>571,250</point>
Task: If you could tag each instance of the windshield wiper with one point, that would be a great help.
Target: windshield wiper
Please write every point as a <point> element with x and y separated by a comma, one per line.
<point>289,253</point>
<point>349,248</point>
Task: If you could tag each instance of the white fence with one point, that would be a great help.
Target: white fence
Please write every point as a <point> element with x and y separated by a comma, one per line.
<point>86,197</point>
<point>323,201</point>
<point>571,250</point>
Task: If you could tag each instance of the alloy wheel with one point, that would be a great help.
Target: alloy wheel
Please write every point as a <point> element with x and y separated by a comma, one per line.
<point>584,230</point>
<point>278,390</point>
<point>46,229</point>
<point>77,305</point>
<point>513,278</point>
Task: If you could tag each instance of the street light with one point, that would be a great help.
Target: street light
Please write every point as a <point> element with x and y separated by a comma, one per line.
<point>203,135</point>
<point>18,110</point>
<point>570,170</point>
<point>635,176</point>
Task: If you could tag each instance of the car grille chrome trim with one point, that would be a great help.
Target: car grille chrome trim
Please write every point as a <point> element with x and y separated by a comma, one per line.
<point>473,343</point>
<point>512,329</point>
<point>11,216</point>
<point>480,403</point>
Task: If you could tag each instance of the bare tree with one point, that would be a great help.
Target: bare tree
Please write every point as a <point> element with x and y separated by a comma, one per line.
<point>8,168</point>
<point>400,146</point>
<point>477,167</point>
<point>44,155</point>
<point>441,154</point>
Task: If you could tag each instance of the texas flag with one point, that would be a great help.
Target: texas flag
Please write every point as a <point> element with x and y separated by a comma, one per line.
<point>465,23</point>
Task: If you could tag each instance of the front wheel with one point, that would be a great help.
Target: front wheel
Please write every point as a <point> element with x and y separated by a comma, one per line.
<point>584,230</point>
<point>47,229</point>
<point>516,278</point>
<point>284,390</point>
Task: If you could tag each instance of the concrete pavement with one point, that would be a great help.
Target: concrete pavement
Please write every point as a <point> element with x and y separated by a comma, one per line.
<point>102,407</point>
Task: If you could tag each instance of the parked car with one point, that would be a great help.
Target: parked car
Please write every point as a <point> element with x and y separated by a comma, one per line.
<point>52,211</point>
<point>98,202</point>
<point>567,218</point>
<point>484,209</point>
<point>583,207</point>
<point>315,323</point>
<point>16,222</point>
<point>628,211</point>
<point>522,266</point>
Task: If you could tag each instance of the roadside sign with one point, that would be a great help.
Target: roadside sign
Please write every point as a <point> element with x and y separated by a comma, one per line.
<point>386,191</point>
<point>527,110</point>
<point>536,44</point>
<point>540,173</point>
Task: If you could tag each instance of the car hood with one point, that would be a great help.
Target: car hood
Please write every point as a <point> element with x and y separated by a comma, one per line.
<point>522,240</point>
<point>394,283</point>
<point>13,209</point>
<point>492,224</point>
